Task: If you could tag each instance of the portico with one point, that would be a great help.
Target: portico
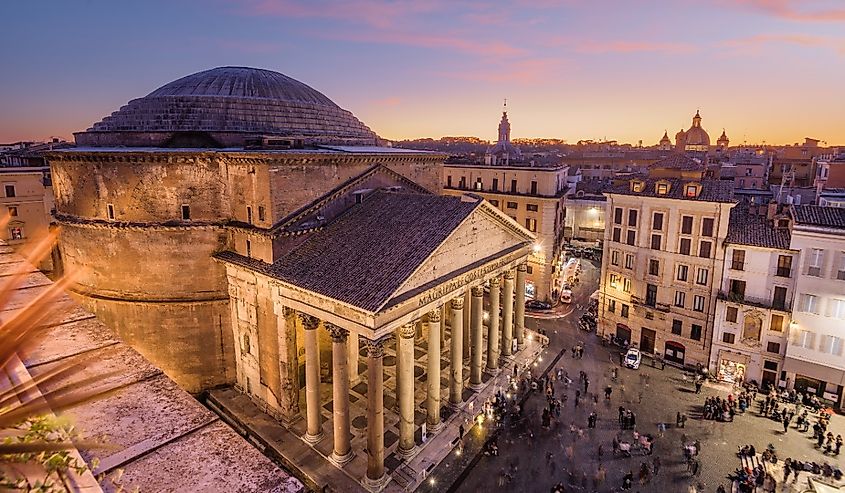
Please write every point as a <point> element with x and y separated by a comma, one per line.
<point>449,249</point>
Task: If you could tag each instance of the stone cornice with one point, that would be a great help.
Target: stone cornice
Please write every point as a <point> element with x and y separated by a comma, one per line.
<point>80,222</point>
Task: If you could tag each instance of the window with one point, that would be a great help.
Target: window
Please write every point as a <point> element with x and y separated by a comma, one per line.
<point>809,303</point>
<point>531,224</point>
<point>614,257</point>
<point>479,185</point>
<point>683,272</point>
<point>698,303</point>
<point>617,234</point>
<point>611,306</point>
<point>246,344</point>
<point>707,226</point>
<point>680,298</point>
<point>650,295</point>
<point>626,285</point>
<point>449,181</point>
<point>513,186</point>
<point>773,347</point>
<point>533,188</point>
<point>494,202</point>
<point>10,190</point>
<point>614,281</point>
<point>617,215</point>
<point>695,332</point>
<point>654,267</point>
<point>462,183</point>
<point>686,225</point>
<point>831,345</point>
<point>632,218</point>
<point>805,339</point>
<point>738,260</point>
<point>16,233</point>
<point>784,265</point>
<point>701,275</point>
<point>529,269</point>
<point>657,221</point>
<point>13,210</point>
<point>261,214</point>
<point>656,242</point>
<point>836,309</point>
<point>512,205</point>
<point>777,323</point>
<point>662,188</point>
<point>840,272</point>
<point>532,207</point>
<point>248,249</point>
<point>736,290</point>
<point>728,338</point>
<point>686,243</point>
<point>186,212</point>
<point>731,313</point>
<point>110,212</point>
<point>624,311</point>
<point>816,259</point>
<point>691,190</point>
<point>779,298</point>
<point>495,184</point>
<point>704,249</point>
<point>249,215</point>
<point>677,327</point>
<point>629,261</point>
<point>631,239</point>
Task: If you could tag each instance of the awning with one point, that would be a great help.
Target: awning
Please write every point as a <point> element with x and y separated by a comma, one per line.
<point>827,374</point>
<point>733,356</point>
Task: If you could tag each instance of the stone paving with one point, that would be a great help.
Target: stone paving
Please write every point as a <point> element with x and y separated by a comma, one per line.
<point>655,395</point>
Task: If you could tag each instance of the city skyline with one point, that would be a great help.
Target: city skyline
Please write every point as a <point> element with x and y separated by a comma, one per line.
<point>431,69</point>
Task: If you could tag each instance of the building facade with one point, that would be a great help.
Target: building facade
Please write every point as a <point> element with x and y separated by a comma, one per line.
<point>27,198</point>
<point>754,306</point>
<point>662,257</point>
<point>815,355</point>
<point>532,196</point>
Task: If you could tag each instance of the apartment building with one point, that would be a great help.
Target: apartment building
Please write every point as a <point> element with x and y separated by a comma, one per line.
<point>533,196</point>
<point>815,355</point>
<point>663,255</point>
<point>753,307</point>
<point>27,197</point>
<point>585,219</point>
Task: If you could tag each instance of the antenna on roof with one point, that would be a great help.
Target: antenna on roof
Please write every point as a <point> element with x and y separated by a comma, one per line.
<point>506,104</point>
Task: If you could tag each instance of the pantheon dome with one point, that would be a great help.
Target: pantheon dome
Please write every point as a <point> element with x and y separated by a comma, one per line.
<point>229,107</point>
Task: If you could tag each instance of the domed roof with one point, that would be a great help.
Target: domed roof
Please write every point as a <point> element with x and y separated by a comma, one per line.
<point>227,106</point>
<point>697,136</point>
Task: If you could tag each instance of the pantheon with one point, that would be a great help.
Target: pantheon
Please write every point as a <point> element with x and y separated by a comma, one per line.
<point>239,228</point>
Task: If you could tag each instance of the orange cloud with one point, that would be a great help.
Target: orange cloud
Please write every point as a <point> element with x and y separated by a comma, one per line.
<point>804,10</point>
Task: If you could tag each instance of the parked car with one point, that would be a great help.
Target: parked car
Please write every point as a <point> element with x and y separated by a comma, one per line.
<point>633,358</point>
<point>537,305</point>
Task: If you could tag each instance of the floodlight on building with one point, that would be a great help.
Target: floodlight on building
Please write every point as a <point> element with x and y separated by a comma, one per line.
<point>537,248</point>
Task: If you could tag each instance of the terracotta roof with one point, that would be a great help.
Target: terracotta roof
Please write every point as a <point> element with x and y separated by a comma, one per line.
<point>712,190</point>
<point>750,229</point>
<point>830,217</point>
<point>677,161</point>
<point>365,255</point>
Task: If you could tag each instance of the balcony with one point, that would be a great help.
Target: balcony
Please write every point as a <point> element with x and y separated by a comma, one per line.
<point>742,299</point>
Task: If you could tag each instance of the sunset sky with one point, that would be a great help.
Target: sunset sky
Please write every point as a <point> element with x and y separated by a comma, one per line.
<point>765,70</point>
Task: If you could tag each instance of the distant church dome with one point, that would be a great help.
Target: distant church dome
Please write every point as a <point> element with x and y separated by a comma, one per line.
<point>228,107</point>
<point>697,136</point>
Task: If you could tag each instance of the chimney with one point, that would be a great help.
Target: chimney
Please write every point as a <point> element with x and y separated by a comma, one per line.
<point>772,210</point>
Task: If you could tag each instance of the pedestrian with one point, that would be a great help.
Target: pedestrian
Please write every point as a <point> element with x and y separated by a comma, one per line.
<point>698,386</point>
<point>600,453</point>
<point>461,432</point>
<point>838,444</point>
<point>655,465</point>
<point>628,480</point>
<point>586,384</point>
<point>786,470</point>
<point>644,472</point>
<point>607,391</point>
<point>615,445</point>
<point>599,479</point>
<point>785,423</point>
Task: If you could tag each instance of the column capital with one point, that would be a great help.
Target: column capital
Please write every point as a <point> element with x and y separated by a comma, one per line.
<point>337,334</point>
<point>523,267</point>
<point>408,330</point>
<point>495,282</point>
<point>434,315</point>
<point>310,322</point>
<point>478,291</point>
<point>457,304</point>
<point>375,349</point>
<point>509,274</point>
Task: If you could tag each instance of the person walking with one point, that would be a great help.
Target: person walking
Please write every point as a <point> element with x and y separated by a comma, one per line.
<point>655,465</point>
<point>607,391</point>
<point>785,423</point>
<point>628,480</point>
<point>698,385</point>
<point>786,469</point>
<point>461,432</point>
<point>586,384</point>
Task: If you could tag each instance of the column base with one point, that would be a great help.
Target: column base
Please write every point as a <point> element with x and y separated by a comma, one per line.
<point>475,387</point>
<point>407,454</point>
<point>313,439</point>
<point>434,429</point>
<point>456,406</point>
<point>493,372</point>
<point>375,485</point>
<point>341,460</point>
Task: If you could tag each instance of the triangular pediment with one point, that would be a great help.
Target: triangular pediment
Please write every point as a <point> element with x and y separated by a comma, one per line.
<point>483,235</point>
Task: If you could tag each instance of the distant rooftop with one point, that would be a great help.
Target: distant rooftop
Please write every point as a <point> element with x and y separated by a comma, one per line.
<point>677,161</point>
<point>814,215</point>
<point>746,228</point>
<point>711,190</point>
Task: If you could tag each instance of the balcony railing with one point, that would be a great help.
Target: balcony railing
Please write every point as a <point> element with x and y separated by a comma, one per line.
<point>774,304</point>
